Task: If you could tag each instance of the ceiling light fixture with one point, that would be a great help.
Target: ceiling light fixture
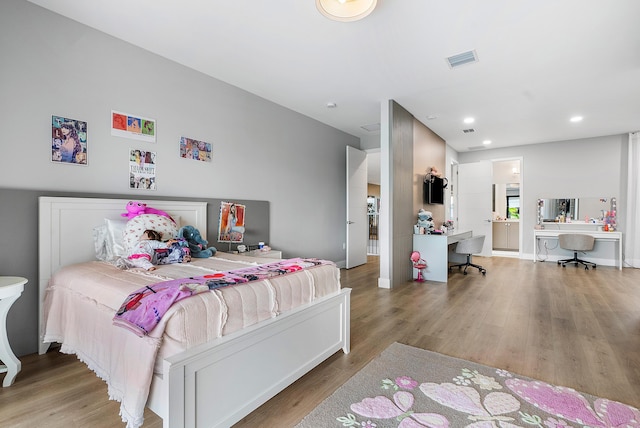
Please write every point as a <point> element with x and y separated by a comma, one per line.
<point>346,10</point>
<point>575,119</point>
<point>469,120</point>
<point>486,142</point>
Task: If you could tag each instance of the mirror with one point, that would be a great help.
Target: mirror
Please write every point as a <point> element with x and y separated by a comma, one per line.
<point>506,200</point>
<point>591,210</point>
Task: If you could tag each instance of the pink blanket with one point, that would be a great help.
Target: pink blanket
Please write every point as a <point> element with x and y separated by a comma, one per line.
<point>143,309</point>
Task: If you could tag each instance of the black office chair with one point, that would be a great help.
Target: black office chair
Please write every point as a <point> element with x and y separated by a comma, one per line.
<point>576,242</point>
<point>469,247</point>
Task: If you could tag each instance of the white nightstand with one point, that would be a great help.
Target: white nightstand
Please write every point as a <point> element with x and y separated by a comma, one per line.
<point>271,254</point>
<point>11,288</point>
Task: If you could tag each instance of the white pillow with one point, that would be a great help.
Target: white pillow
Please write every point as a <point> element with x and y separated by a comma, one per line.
<point>115,236</point>
<point>100,242</point>
<point>137,225</point>
<point>109,239</point>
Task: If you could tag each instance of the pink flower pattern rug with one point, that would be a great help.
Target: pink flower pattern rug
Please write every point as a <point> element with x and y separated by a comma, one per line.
<point>408,387</point>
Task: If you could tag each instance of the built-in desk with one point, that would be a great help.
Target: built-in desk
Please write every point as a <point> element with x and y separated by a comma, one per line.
<point>599,236</point>
<point>434,249</point>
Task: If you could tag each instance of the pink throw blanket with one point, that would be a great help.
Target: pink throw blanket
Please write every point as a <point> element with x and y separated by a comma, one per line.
<point>143,309</point>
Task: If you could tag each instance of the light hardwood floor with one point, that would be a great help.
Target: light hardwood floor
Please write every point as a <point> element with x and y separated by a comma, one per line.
<point>568,326</point>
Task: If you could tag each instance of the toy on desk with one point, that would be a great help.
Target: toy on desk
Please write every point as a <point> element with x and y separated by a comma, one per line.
<point>425,221</point>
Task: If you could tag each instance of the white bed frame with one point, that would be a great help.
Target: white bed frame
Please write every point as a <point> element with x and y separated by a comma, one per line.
<point>217,383</point>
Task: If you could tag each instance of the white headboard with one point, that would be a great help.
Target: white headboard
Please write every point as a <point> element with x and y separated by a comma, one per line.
<point>65,233</point>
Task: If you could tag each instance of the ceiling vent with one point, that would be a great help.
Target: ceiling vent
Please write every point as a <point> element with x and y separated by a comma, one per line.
<point>462,59</point>
<point>374,127</point>
<point>477,147</point>
<point>468,131</point>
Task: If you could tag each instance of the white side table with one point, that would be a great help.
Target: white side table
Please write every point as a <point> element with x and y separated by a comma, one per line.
<point>273,254</point>
<point>11,288</point>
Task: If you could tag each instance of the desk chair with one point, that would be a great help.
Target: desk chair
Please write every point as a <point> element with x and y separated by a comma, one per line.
<point>469,247</point>
<point>418,263</point>
<point>576,242</point>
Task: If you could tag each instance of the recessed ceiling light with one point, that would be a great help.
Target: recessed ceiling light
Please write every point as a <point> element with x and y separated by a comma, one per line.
<point>346,10</point>
<point>432,117</point>
<point>486,142</point>
<point>332,105</point>
<point>575,119</point>
<point>469,120</point>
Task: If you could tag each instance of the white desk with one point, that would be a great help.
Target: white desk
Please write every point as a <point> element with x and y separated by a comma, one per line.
<point>11,288</point>
<point>599,236</point>
<point>434,249</point>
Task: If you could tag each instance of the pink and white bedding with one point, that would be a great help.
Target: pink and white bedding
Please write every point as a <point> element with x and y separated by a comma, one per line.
<point>81,301</point>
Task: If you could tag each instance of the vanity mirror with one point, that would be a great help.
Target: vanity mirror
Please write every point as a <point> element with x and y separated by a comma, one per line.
<point>591,210</point>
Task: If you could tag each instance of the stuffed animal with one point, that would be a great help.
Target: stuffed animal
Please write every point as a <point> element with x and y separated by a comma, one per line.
<point>425,219</point>
<point>197,244</point>
<point>135,208</point>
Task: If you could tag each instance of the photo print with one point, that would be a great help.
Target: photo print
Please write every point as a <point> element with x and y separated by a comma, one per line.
<point>132,126</point>
<point>142,169</point>
<point>231,227</point>
<point>68,141</point>
<point>194,149</point>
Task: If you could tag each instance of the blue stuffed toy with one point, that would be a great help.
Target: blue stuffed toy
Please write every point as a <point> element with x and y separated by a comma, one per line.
<point>197,244</point>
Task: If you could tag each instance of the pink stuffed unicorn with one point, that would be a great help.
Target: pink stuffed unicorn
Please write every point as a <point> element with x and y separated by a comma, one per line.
<point>135,208</point>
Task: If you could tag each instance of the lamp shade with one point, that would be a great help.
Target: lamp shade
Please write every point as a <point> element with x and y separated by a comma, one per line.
<point>346,10</point>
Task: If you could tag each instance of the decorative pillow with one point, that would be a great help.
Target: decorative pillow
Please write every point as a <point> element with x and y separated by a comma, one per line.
<point>137,225</point>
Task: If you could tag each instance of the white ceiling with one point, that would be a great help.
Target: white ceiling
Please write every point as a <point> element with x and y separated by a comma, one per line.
<point>540,61</point>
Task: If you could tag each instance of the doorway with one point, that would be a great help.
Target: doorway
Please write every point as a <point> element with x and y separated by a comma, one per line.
<point>356,242</point>
<point>506,208</point>
<point>488,196</point>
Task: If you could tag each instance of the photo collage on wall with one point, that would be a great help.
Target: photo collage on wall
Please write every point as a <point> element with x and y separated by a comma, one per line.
<point>142,169</point>
<point>142,163</point>
<point>194,149</point>
<point>69,146</point>
<point>133,126</point>
<point>68,141</point>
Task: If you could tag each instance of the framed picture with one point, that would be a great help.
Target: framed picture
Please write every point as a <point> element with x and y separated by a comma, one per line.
<point>194,149</point>
<point>132,126</point>
<point>142,169</point>
<point>231,228</point>
<point>68,141</point>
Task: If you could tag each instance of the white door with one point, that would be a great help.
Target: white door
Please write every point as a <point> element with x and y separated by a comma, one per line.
<point>357,217</point>
<point>474,201</point>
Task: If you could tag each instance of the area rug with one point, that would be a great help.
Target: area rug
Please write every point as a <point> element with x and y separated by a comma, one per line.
<point>409,387</point>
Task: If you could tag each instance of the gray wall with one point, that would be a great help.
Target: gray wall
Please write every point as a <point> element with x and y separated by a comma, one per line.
<point>261,151</point>
<point>592,167</point>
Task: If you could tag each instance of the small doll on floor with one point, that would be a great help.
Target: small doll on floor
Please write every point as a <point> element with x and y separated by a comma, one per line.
<point>143,252</point>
